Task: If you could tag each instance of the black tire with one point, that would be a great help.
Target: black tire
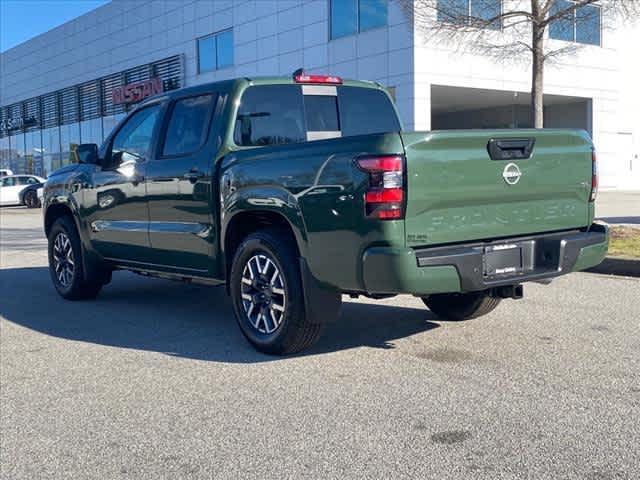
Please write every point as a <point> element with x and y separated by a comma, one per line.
<point>72,285</point>
<point>31,199</point>
<point>294,332</point>
<point>461,306</point>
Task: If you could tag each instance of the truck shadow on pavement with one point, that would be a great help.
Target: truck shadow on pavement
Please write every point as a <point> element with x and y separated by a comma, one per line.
<point>182,320</point>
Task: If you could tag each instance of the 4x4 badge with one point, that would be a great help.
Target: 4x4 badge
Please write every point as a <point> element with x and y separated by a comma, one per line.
<point>511,174</point>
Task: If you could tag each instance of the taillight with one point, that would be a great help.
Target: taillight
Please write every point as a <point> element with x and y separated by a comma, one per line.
<point>594,177</point>
<point>385,197</point>
<point>323,79</point>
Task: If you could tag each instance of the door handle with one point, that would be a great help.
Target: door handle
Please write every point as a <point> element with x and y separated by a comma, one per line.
<point>193,175</point>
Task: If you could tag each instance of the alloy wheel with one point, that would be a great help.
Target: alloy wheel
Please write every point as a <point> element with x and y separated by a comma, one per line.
<point>263,293</point>
<point>63,259</point>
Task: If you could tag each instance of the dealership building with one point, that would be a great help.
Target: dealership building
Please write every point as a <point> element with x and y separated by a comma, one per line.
<point>72,84</point>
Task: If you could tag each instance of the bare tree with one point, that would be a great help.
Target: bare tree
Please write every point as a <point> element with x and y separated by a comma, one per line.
<point>516,29</point>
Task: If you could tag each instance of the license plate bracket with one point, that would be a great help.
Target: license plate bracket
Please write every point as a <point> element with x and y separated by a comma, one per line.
<point>502,260</point>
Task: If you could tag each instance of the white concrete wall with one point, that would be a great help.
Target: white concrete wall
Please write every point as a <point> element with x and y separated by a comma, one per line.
<point>278,36</point>
<point>599,73</point>
<point>271,37</point>
<point>628,108</point>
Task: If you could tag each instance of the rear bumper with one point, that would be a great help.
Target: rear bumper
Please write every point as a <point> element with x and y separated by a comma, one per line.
<point>461,268</point>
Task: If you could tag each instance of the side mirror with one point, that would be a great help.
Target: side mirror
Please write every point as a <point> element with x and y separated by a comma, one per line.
<point>88,153</point>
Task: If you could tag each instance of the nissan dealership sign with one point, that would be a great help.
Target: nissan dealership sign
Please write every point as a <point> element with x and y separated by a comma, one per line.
<point>109,95</point>
<point>10,124</point>
<point>135,92</point>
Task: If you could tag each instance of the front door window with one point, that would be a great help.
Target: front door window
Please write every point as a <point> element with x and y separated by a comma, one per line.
<point>133,141</point>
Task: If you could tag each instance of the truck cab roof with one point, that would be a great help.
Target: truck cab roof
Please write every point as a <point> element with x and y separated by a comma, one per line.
<point>240,83</point>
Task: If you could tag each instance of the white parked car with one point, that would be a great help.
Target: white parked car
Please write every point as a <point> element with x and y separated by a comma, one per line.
<point>5,172</point>
<point>11,186</point>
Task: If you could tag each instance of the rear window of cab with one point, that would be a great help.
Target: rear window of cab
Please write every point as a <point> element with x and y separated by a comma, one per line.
<point>281,114</point>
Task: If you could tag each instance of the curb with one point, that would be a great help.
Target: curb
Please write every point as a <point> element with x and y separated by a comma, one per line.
<point>622,266</point>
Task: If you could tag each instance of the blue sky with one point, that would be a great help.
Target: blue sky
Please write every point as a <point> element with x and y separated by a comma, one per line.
<point>21,20</point>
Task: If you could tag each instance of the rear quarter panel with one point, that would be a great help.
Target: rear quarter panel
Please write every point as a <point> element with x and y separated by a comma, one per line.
<point>319,190</point>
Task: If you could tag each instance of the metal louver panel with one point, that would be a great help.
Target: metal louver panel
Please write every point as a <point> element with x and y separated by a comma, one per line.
<point>32,114</point>
<point>15,110</point>
<point>69,105</point>
<point>137,74</point>
<point>50,110</point>
<point>170,71</point>
<point>108,84</point>
<point>4,117</point>
<point>89,100</point>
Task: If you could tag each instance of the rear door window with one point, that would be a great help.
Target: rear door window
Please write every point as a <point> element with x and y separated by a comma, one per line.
<point>188,126</point>
<point>366,110</point>
<point>270,115</point>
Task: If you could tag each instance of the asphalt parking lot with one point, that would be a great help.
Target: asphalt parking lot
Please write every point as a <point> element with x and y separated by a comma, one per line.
<point>154,380</point>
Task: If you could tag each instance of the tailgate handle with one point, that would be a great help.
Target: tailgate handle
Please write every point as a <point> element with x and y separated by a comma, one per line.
<point>510,148</point>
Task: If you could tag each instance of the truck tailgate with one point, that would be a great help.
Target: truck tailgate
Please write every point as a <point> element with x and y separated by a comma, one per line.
<point>457,192</point>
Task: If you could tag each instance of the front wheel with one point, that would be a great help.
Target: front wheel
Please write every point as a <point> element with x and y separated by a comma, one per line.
<point>461,306</point>
<point>66,263</point>
<point>267,294</point>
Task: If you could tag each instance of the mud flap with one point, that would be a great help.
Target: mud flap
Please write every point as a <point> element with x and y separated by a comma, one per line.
<point>94,268</point>
<point>321,302</point>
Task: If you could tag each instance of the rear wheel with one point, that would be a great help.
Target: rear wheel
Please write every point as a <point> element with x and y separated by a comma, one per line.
<point>31,199</point>
<point>267,294</point>
<point>66,265</point>
<point>461,306</point>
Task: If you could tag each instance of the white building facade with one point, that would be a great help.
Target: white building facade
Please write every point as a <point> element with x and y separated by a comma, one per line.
<point>72,84</point>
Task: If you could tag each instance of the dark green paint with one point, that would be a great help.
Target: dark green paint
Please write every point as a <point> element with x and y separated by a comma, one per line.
<point>457,193</point>
<point>157,219</point>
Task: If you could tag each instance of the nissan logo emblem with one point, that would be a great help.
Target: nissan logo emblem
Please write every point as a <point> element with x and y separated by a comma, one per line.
<point>511,174</point>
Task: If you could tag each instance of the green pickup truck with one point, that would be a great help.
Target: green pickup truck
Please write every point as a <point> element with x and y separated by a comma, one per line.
<point>295,191</point>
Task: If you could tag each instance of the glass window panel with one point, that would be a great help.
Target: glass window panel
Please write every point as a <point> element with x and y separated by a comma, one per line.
<point>188,126</point>
<point>16,154</point>
<point>366,110</point>
<point>588,25</point>
<point>344,18</point>
<point>486,10</point>
<point>270,115</point>
<point>224,49</point>
<point>453,11</point>
<point>5,152</point>
<point>561,29</point>
<point>91,131</point>
<point>373,14</point>
<point>69,141</point>
<point>51,150</point>
<point>33,153</point>
<point>207,54</point>
<point>322,113</point>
